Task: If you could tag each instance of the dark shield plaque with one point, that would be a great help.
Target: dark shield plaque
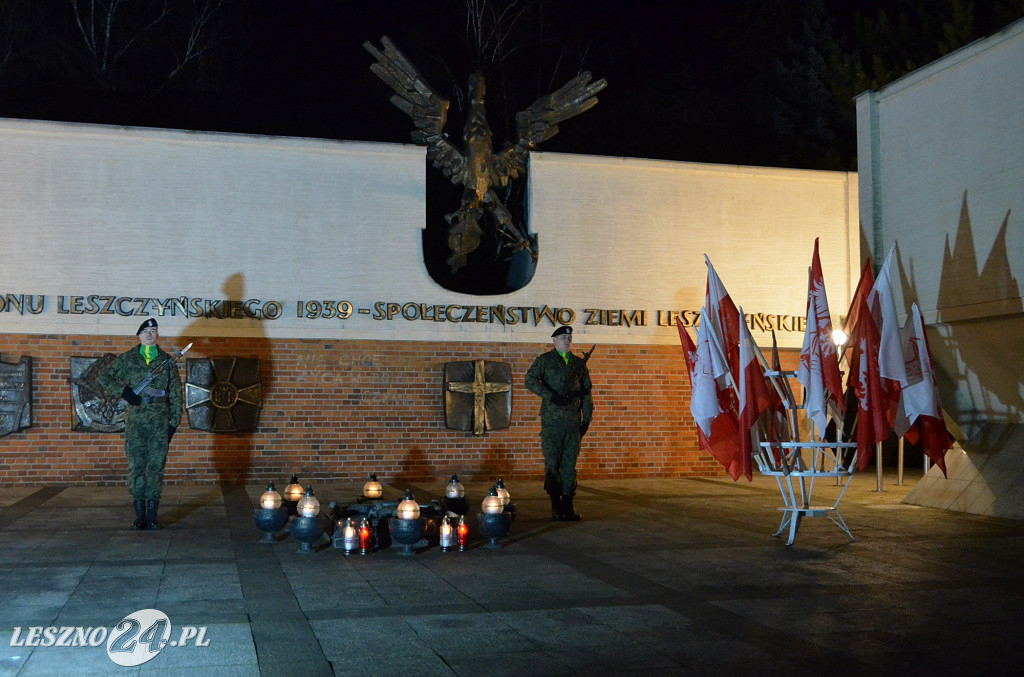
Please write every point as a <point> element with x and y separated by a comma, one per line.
<point>93,409</point>
<point>223,395</point>
<point>477,395</point>
<point>15,394</point>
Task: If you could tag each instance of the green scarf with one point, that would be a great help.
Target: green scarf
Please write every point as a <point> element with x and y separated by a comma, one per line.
<point>148,352</point>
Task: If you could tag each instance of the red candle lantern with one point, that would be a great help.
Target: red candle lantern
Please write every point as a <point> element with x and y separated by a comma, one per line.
<point>364,538</point>
<point>463,533</point>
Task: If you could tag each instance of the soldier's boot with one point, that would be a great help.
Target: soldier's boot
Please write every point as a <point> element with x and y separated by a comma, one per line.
<point>151,508</point>
<point>551,486</point>
<point>140,514</point>
<point>556,507</point>
<point>568,514</point>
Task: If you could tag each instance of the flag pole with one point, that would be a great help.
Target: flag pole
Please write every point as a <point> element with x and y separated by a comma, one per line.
<point>899,471</point>
<point>878,464</point>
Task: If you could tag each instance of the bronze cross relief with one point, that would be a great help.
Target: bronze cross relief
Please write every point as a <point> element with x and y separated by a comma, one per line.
<point>479,388</point>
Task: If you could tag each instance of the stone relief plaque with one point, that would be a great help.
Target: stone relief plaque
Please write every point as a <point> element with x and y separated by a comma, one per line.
<point>15,394</point>
<point>93,410</point>
<point>477,395</point>
<point>223,394</point>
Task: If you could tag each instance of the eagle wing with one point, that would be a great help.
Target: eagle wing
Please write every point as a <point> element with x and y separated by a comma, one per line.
<point>539,122</point>
<point>417,99</point>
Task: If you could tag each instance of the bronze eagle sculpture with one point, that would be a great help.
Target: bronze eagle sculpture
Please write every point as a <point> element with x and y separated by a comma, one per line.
<point>478,168</point>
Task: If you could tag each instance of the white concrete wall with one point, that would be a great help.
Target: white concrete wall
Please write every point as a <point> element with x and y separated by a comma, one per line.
<point>952,129</point>
<point>141,213</point>
<point>638,229</point>
<point>942,173</point>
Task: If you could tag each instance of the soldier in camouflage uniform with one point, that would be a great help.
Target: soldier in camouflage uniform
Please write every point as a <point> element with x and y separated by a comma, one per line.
<point>150,420</point>
<point>564,419</point>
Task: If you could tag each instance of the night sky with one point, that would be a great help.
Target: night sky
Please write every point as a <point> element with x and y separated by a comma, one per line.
<point>687,80</point>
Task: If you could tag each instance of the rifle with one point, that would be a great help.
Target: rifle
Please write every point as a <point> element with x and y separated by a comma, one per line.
<point>143,386</point>
<point>577,371</point>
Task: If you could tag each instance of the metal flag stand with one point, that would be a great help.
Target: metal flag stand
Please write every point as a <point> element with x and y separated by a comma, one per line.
<point>784,460</point>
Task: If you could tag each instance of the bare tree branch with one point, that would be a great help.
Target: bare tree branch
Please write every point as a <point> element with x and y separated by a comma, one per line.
<point>199,41</point>
<point>7,35</point>
<point>96,27</point>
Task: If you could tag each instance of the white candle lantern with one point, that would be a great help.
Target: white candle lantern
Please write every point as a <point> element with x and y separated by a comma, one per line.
<point>308,506</point>
<point>455,488</point>
<point>270,499</point>
<point>446,534</point>
<point>293,492</point>
<point>492,502</point>
<point>408,509</point>
<point>372,489</point>
<point>502,492</point>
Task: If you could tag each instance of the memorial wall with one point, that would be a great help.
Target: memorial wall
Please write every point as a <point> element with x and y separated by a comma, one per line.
<point>295,268</point>
<point>941,175</point>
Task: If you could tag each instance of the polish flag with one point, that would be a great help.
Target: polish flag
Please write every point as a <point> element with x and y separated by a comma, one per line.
<point>891,361</point>
<point>721,438</point>
<point>872,401</point>
<point>780,430</point>
<point>819,363</point>
<point>723,324</point>
<point>754,398</point>
<point>864,285</point>
<point>850,348</point>
<point>703,394</point>
<point>919,416</point>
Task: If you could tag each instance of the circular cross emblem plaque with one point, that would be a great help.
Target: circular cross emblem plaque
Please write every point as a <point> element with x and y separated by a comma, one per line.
<point>223,395</point>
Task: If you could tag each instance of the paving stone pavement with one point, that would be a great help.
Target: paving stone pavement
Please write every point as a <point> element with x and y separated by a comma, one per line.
<point>670,576</point>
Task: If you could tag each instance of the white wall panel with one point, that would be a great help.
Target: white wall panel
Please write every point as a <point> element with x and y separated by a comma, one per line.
<point>136,213</point>
<point>949,132</point>
<point>942,170</point>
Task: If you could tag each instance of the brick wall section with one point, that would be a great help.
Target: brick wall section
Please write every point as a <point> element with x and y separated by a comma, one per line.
<point>336,410</point>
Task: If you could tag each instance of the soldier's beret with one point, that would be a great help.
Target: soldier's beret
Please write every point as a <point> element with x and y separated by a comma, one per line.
<point>151,322</point>
<point>564,329</point>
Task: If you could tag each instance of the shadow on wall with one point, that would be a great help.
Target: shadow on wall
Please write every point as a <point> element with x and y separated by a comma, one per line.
<point>415,468</point>
<point>230,453</point>
<point>979,333</point>
<point>497,463</point>
<point>412,468</point>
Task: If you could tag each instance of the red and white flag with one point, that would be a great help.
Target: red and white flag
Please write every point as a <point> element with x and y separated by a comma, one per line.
<point>782,399</point>
<point>882,302</point>
<point>703,394</point>
<point>722,439</point>
<point>919,416</point>
<point>872,400</point>
<point>819,360</point>
<point>722,320</point>
<point>754,398</point>
<point>864,285</point>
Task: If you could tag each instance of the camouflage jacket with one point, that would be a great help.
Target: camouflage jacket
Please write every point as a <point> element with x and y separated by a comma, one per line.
<point>548,375</point>
<point>129,368</point>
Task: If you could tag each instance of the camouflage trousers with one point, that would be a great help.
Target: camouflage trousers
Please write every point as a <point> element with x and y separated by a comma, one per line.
<point>145,446</point>
<point>560,443</point>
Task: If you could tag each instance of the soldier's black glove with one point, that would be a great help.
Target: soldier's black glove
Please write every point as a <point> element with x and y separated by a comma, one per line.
<point>170,433</point>
<point>129,396</point>
<point>584,427</point>
<point>560,399</point>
